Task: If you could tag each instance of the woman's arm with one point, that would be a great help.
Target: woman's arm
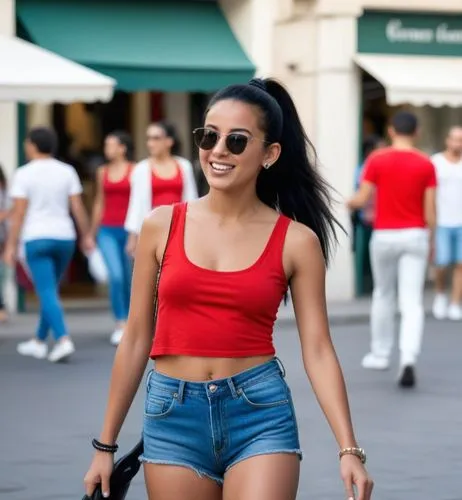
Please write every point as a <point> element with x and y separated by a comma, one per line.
<point>18,213</point>
<point>98,204</point>
<point>133,351</point>
<point>134,348</point>
<point>307,270</point>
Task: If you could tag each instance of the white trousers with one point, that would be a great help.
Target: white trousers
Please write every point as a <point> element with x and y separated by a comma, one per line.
<point>399,261</point>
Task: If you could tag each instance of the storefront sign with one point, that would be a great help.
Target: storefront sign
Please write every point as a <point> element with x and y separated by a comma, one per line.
<point>410,33</point>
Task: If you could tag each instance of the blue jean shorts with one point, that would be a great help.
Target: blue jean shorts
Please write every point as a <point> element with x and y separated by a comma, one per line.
<point>211,426</point>
<point>448,246</point>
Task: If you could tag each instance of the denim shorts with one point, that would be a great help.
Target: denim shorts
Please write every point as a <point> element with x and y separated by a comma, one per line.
<point>211,426</point>
<point>448,246</point>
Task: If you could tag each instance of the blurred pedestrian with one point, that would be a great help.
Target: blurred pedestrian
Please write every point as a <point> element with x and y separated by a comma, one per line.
<point>448,235</point>
<point>109,213</point>
<point>404,181</point>
<point>4,213</point>
<point>219,420</point>
<point>42,192</point>
<point>363,219</point>
<point>162,179</point>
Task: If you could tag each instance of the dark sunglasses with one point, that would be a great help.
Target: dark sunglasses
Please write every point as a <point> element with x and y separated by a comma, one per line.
<point>207,138</point>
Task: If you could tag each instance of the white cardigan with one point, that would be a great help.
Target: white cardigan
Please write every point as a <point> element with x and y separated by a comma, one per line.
<point>140,204</point>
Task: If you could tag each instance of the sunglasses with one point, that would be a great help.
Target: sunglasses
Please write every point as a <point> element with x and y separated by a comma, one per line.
<point>207,138</point>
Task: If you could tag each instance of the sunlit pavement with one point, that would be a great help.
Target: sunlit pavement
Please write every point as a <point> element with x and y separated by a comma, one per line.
<point>48,413</point>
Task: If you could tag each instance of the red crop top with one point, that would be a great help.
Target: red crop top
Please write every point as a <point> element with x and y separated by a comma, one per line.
<point>202,312</point>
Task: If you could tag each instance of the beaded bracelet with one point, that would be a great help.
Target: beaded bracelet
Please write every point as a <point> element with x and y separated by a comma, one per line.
<point>108,448</point>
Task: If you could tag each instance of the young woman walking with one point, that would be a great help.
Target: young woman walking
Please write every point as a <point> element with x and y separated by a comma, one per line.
<point>219,420</point>
<point>161,179</point>
<point>109,212</point>
<point>45,193</point>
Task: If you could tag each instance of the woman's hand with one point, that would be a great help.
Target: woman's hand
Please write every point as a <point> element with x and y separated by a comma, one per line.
<point>99,473</point>
<point>130,248</point>
<point>10,255</point>
<point>354,473</point>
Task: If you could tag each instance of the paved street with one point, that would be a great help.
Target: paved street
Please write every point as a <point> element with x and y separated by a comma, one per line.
<point>414,439</point>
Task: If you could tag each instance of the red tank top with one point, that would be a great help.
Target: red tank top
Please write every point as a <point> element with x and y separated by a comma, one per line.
<point>116,198</point>
<point>202,312</point>
<point>167,191</point>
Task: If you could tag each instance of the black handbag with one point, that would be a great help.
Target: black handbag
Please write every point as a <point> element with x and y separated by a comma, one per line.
<point>126,468</point>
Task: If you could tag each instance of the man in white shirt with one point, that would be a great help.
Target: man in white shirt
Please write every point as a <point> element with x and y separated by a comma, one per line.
<point>448,236</point>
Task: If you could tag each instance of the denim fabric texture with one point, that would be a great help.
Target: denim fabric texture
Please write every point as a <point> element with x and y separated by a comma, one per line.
<point>448,246</point>
<point>48,260</point>
<point>112,242</point>
<point>211,426</point>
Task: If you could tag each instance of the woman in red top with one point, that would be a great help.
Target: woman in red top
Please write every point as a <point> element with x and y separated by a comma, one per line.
<point>109,212</point>
<point>219,420</point>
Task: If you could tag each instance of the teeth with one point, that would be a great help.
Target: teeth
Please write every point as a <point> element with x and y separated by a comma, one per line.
<point>221,167</point>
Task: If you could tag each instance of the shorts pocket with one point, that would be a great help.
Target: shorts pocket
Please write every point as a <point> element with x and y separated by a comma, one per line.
<point>159,402</point>
<point>265,394</point>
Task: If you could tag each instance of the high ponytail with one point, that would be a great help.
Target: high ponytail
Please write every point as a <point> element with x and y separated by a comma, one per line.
<point>292,185</point>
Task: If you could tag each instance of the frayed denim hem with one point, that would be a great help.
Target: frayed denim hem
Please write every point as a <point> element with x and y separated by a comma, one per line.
<point>199,472</point>
<point>295,451</point>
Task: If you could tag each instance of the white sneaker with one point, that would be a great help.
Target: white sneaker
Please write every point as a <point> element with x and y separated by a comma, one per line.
<point>455,312</point>
<point>440,306</point>
<point>373,362</point>
<point>62,350</point>
<point>34,348</point>
<point>116,337</point>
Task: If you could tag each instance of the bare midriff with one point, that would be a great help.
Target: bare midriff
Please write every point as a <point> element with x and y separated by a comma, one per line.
<point>197,369</point>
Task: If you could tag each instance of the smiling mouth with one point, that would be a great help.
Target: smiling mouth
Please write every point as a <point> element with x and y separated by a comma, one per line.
<point>221,167</point>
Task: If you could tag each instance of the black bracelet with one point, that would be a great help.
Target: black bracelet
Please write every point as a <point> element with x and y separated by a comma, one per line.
<point>108,448</point>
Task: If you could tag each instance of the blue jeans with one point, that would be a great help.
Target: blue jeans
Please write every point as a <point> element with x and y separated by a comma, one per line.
<point>448,246</point>
<point>211,426</point>
<point>47,260</point>
<point>111,242</point>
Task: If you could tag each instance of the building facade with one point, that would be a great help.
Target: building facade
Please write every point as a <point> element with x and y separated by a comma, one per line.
<point>342,60</point>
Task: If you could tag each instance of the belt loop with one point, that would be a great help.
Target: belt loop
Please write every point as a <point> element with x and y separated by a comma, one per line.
<point>232,387</point>
<point>281,366</point>
<point>181,391</point>
<point>148,380</point>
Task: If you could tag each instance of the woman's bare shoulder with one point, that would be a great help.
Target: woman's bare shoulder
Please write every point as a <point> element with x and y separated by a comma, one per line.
<point>158,220</point>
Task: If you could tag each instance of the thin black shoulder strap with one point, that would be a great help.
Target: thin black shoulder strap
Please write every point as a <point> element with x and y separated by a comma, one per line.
<point>156,289</point>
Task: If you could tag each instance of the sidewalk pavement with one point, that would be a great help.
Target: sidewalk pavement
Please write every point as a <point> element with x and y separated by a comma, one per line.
<point>92,318</point>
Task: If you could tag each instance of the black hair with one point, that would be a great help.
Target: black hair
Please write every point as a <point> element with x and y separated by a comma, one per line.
<point>292,185</point>
<point>405,123</point>
<point>170,132</point>
<point>124,139</point>
<point>2,179</point>
<point>44,139</point>
<point>370,143</point>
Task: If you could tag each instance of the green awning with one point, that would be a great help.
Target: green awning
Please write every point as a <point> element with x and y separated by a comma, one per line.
<point>144,45</point>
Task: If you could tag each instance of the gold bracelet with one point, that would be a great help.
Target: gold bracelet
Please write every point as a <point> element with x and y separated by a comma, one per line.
<point>357,452</point>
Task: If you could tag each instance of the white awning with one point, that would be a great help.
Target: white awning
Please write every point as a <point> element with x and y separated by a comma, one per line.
<point>29,73</point>
<point>417,80</point>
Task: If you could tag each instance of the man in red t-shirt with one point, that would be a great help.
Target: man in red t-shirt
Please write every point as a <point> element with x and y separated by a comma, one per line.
<point>404,181</point>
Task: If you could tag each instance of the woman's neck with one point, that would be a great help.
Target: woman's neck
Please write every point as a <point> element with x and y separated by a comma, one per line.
<point>118,162</point>
<point>235,205</point>
<point>161,159</point>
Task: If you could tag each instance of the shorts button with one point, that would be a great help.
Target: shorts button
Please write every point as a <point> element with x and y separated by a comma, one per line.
<point>212,387</point>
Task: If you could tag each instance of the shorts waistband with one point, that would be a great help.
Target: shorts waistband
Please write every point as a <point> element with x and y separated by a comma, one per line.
<point>217,386</point>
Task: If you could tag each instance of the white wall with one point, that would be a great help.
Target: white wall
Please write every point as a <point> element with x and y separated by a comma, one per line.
<point>252,22</point>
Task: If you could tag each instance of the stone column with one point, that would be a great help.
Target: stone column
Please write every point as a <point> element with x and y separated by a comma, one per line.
<point>178,113</point>
<point>336,131</point>
<point>140,116</point>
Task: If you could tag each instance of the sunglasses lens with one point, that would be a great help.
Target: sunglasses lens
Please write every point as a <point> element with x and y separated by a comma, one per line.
<point>205,138</point>
<point>236,143</point>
